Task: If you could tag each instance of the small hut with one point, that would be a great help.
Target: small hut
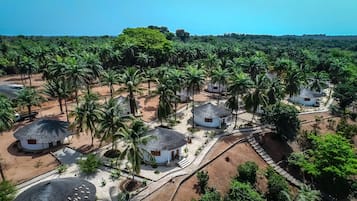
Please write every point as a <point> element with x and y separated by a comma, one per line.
<point>216,88</point>
<point>212,116</point>
<point>166,146</point>
<point>124,104</point>
<point>42,134</point>
<point>61,189</point>
<point>307,97</point>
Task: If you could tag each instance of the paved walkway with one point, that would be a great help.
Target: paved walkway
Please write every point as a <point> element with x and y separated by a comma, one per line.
<point>270,161</point>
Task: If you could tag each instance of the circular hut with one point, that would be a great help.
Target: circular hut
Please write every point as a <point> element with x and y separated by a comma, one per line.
<point>62,189</point>
<point>42,134</point>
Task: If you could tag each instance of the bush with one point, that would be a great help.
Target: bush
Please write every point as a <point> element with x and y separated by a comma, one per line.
<point>242,192</point>
<point>276,186</point>
<point>7,191</point>
<point>248,172</point>
<point>211,195</point>
<point>203,178</point>
<point>115,174</point>
<point>62,168</point>
<point>90,164</point>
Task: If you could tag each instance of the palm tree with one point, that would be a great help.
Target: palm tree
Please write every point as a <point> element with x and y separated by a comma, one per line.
<point>275,91</point>
<point>110,121</point>
<point>195,78</point>
<point>211,62</point>
<point>150,75</point>
<point>238,84</point>
<point>293,81</point>
<point>90,62</point>
<point>176,77</point>
<point>219,76</point>
<point>29,97</point>
<point>110,77</point>
<point>87,115</point>
<point>7,114</point>
<point>76,74</point>
<point>257,65</point>
<point>131,78</point>
<point>318,81</point>
<point>166,95</point>
<point>257,96</point>
<point>134,137</point>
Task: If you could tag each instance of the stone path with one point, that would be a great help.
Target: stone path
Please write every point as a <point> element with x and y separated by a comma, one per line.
<point>270,161</point>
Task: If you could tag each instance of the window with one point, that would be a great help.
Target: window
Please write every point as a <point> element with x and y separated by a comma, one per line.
<point>155,153</point>
<point>208,119</point>
<point>306,99</point>
<point>215,87</point>
<point>31,141</point>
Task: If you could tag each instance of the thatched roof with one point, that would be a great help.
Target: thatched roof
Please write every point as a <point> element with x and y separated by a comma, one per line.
<point>10,91</point>
<point>43,131</point>
<point>209,110</point>
<point>63,189</point>
<point>165,139</point>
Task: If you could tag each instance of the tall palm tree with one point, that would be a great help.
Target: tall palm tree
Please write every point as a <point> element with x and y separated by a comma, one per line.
<point>256,97</point>
<point>90,62</point>
<point>211,62</point>
<point>219,76</point>
<point>257,65</point>
<point>238,84</point>
<point>29,97</point>
<point>166,95</point>
<point>176,78</point>
<point>134,137</point>
<point>195,79</point>
<point>293,81</point>
<point>131,78</point>
<point>76,74</point>
<point>318,81</point>
<point>7,114</point>
<point>275,91</point>
<point>150,75</point>
<point>110,77</point>
<point>87,115</point>
<point>110,121</point>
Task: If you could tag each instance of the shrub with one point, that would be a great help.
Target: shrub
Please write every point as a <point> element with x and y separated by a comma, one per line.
<point>115,174</point>
<point>211,195</point>
<point>90,164</point>
<point>62,168</point>
<point>157,172</point>
<point>276,186</point>
<point>7,191</point>
<point>203,178</point>
<point>248,172</point>
<point>242,192</point>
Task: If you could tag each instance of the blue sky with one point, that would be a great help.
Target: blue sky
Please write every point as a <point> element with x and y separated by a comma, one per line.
<point>199,17</point>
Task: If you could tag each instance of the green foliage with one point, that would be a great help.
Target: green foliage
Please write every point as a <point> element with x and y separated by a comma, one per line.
<point>345,93</point>
<point>345,129</point>
<point>211,195</point>
<point>90,164</point>
<point>248,172</point>
<point>7,191</point>
<point>276,186</point>
<point>203,178</point>
<point>62,168</point>
<point>7,114</point>
<point>242,192</point>
<point>29,97</point>
<point>284,117</point>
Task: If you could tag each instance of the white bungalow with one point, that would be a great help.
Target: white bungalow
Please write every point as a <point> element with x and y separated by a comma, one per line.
<point>307,98</point>
<point>215,88</point>
<point>183,95</point>
<point>125,106</point>
<point>166,146</point>
<point>212,116</point>
<point>42,134</point>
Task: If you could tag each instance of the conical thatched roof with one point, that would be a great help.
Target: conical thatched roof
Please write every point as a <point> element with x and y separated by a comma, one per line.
<point>43,131</point>
<point>63,189</point>
<point>9,91</point>
<point>165,139</point>
<point>209,110</point>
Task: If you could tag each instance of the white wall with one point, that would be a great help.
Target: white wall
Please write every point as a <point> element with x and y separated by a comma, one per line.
<point>211,88</point>
<point>165,155</point>
<point>36,147</point>
<point>301,100</point>
<point>216,122</point>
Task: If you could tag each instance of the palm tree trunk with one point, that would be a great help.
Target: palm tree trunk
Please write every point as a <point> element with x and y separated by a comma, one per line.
<point>29,111</point>
<point>236,117</point>
<point>2,173</point>
<point>149,91</point>
<point>92,138</point>
<point>132,103</point>
<point>76,94</point>
<point>193,108</point>
<point>65,105</point>
<point>111,90</point>
<point>219,93</point>
<point>60,105</point>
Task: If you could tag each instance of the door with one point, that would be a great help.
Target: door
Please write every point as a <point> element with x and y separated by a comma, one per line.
<point>172,155</point>
<point>50,144</point>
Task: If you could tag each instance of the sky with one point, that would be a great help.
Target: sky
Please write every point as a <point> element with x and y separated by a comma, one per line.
<point>199,17</point>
